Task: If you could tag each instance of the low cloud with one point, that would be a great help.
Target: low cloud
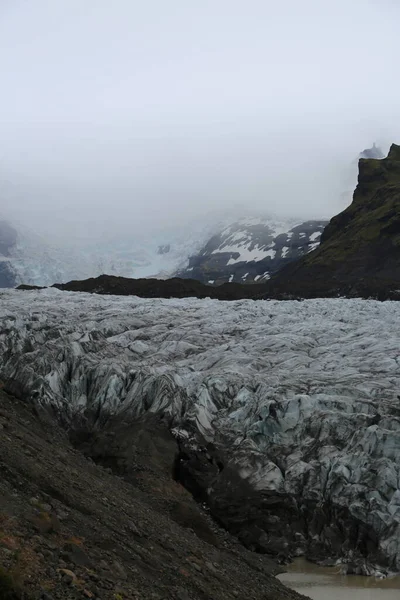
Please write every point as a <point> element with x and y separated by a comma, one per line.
<point>130,116</point>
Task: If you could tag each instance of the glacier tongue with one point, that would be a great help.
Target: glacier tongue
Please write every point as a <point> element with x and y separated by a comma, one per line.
<point>301,398</point>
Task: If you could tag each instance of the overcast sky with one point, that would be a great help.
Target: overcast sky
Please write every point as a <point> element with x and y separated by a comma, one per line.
<point>129,111</point>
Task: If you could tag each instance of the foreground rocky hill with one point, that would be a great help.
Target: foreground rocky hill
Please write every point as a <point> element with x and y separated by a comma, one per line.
<point>286,414</point>
<point>116,527</point>
<point>360,247</point>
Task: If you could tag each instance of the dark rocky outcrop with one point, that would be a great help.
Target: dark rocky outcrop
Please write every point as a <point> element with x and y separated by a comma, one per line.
<point>360,248</point>
<point>159,288</point>
<point>26,287</point>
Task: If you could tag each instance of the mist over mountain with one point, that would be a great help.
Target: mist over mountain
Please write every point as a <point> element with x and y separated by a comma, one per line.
<point>188,110</point>
<point>236,243</point>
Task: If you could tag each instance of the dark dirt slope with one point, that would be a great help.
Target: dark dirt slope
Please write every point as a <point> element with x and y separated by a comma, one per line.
<point>360,247</point>
<point>115,526</point>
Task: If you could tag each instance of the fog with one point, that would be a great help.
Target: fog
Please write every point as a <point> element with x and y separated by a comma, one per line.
<point>130,115</point>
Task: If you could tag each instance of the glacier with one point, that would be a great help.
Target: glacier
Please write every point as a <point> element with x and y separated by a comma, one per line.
<point>301,398</point>
<point>43,260</point>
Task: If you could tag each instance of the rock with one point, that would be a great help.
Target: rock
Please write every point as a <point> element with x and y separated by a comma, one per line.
<point>119,570</point>
<point>182,594</point>
<point>62,515</point>
<point>44,595</point>
<point>46,523</point>
<point>9,542</point>
<point>211,567</point>
<point>76,555</point>
<point>131,527</point>
<point>68,575</point>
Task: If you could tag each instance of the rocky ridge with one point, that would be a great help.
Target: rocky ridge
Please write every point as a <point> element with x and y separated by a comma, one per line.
<point>189,288</point>
<point>159,288</point>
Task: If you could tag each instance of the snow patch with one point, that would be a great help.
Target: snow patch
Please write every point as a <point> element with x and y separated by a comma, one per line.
<point>285,251</point>
<point>315,236</point>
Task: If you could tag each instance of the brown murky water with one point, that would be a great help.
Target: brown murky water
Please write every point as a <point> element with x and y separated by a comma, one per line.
<point>325,583</point>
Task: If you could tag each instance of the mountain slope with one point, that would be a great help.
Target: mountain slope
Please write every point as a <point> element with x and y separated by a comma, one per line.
<point>252,250</point>
<point>359,247</point>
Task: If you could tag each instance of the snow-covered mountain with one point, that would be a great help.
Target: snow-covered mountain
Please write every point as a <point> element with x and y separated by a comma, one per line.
<point>252,249</point>
<point>288,412</point>
<point>251,246</point>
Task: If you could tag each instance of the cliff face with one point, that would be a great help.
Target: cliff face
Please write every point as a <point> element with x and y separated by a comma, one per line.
<point>361,245</point>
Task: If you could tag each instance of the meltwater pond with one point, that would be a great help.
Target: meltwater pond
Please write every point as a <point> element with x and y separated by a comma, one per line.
<point>326,583</point>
